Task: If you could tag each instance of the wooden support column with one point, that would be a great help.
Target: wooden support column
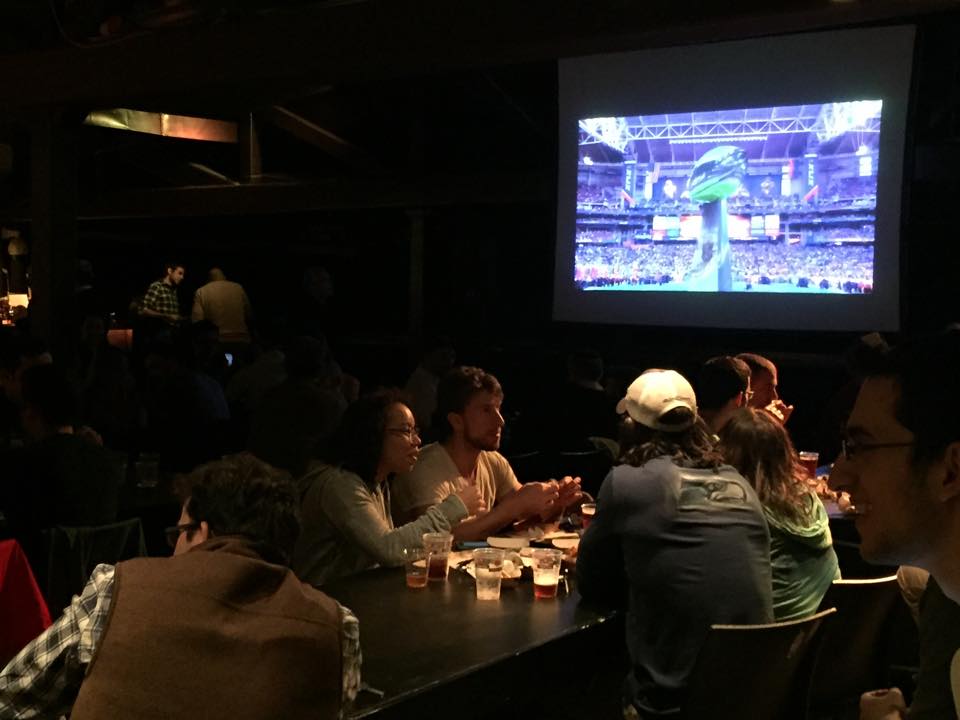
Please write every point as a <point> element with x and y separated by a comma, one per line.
<point>251,161</point>
<point>53,234</point>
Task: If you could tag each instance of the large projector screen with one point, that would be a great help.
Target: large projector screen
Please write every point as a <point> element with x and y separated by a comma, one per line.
<point>753,184</point>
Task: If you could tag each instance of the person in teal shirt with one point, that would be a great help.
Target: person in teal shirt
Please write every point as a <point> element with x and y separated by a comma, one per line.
<point>802,558</point>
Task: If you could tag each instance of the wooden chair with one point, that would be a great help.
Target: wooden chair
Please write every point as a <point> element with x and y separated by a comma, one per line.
<point>853,650</point>
<point>760,672</point>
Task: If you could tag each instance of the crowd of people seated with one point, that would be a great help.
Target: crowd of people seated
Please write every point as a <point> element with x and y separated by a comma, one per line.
<point>288,478</point>
<point>846,268</point>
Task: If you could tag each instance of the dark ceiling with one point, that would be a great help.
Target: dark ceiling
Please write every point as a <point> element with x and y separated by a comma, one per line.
<point>362,103</point>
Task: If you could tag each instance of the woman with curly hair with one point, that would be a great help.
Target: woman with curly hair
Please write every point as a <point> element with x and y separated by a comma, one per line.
<point>802,557</point>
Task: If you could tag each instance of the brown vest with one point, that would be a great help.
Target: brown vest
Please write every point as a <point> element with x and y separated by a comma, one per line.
<point>214,633</point>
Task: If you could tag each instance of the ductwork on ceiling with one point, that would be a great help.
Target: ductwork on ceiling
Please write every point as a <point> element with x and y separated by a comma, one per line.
<point>164,124</point>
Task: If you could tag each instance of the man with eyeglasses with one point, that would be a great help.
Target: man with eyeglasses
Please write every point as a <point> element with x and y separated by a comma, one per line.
<point>723,387</point>
<point>901,466</point>
<point>470,424</point>
<point>222,630</point>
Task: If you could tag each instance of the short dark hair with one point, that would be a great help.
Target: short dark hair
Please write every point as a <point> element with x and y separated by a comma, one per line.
<point>242,495</point>
<point>172,265</point>
<point>720,380</point>
<point>455,390</point>
<point>758,363</point>
<point>358,442</point>
<point>45,389</point>
<point>925,373</point>
<point>692,447</point>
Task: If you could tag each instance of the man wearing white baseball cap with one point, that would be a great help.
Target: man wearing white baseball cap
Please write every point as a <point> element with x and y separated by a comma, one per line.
<point>678,536</point>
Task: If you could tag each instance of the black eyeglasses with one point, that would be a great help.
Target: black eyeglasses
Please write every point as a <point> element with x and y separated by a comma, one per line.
<point>408,432</point>
<point>173,532</point>
<point>850,448</point>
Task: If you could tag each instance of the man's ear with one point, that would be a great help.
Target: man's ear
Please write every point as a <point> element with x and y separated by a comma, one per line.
<point>456,421</point>
<point>203,532</point>
<point>950,485</point>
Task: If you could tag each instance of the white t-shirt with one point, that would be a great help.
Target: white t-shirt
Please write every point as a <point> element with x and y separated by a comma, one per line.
<point>435,477</point>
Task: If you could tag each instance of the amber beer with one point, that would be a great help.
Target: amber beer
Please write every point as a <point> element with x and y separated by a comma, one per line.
<point>809,461</point>
<point>587,511</point>
<point>417,580</point>
<point>544,590</point>
<point>437,566</point>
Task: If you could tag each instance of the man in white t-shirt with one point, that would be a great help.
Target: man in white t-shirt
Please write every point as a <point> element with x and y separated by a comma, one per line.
<point>468,409</point>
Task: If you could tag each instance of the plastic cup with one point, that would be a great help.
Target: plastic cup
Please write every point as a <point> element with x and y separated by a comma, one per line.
<point>147,471</point>
<point>437,547</point>
<point>488,565</point>
<point>587,511</point>
<point>415,562</point>
<point>809,461</point>
<point>546,573</point>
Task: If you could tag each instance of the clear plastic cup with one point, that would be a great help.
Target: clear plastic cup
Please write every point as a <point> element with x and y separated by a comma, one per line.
<point>488,565</point>
<point>587,511</point>
<point>437,547</point>
<point>809,461</point>
<point>546,572</point>
<point>415,562</point>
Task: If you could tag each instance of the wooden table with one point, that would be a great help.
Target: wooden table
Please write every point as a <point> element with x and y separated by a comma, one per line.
<point>439,652</point>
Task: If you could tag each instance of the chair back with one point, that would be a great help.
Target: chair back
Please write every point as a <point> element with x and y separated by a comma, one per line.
<point>73,553</point>
<point>759,672</point>
<point>852,654</point>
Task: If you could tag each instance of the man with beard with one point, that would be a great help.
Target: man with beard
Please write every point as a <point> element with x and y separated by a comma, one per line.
<point>469,422</point>
<point>161,300</point>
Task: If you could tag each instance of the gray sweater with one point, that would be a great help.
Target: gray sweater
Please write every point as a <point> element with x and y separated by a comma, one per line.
<point>347,528</point>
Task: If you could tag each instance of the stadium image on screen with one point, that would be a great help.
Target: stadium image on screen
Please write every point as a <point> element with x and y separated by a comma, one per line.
<point>766,199</point>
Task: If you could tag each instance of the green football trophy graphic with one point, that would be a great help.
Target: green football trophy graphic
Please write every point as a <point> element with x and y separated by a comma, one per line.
<point>716,176</point>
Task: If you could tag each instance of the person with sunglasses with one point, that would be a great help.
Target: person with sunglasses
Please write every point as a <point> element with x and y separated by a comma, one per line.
<point>222,630</point>
<point>347,521</point>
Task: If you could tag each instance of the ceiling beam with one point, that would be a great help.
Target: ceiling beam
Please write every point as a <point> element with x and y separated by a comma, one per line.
<point>323,139</point>
<point>334,195</point>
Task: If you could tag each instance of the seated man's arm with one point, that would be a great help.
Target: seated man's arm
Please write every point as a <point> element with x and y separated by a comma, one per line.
<point>532,499</point>
<point>43,680</point>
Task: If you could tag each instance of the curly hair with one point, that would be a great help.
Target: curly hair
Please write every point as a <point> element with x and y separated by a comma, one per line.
<point>760,449</point>
<point>242,495</point>
<point>689,448</point>
<point>358,443</point>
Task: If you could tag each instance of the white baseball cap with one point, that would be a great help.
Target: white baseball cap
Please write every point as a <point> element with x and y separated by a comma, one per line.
<point>654,394</point>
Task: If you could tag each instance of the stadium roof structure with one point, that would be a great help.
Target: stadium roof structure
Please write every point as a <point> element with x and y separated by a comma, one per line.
<point>764,133</point>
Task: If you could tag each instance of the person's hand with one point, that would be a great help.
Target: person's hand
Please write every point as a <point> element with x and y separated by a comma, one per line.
<point>779,411</point>
<point>883,705</point>
<point>569,491</point>
<point>470,497</point>
<point>173,318</point>
<point>538,498</point>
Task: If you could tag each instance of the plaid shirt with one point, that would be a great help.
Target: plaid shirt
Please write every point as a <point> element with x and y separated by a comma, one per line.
<point>162,298</point>
<point>43,680</point>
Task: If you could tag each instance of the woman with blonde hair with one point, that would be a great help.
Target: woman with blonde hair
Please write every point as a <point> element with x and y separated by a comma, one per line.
<point>802,557</point>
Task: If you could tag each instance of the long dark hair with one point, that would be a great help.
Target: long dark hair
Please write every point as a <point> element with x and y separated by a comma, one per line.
<point>358,442</point>
<point>760,449</point>
<point>691,448</point>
